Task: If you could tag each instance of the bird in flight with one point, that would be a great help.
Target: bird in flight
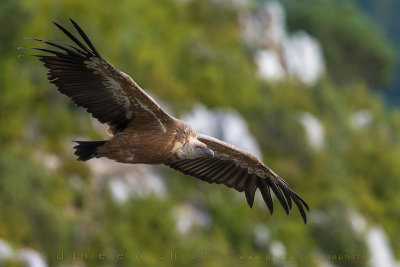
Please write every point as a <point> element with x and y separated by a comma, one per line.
<point>142,132</point>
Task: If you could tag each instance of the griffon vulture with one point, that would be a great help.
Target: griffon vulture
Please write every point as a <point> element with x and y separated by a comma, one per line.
<point>142,132</point>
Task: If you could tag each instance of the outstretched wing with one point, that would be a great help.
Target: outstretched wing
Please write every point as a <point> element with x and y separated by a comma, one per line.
<point>241,170</point>
<point>110,95</point>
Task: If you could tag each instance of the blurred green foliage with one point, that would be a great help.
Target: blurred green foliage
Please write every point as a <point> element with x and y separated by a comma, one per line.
<point>354,47</point>
<point>185,52</point>
<point>385,14</point>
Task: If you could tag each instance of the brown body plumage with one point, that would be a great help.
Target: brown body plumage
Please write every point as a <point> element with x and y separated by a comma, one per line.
<point>144,133</point>
<point>147,143</point>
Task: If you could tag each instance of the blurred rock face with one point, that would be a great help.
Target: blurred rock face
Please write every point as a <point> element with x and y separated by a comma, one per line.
<point>279,54</point>
<point>302,56</point>
<point>380,249</point>
<point>315,131</point>
<point>361,118</point>
<point>128,180</point>
<point>188,216</point>
<point>24,256</point>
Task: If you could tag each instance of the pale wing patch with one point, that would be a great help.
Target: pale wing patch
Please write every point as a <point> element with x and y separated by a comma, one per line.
<point>154,115</point>
<point>239,163</point>
<point>118,94</point>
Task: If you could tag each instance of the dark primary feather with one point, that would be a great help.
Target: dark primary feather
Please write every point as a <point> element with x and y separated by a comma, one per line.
<point>73,38</point>
<point>85,38</point>
<point>223,168</point>
<point>228,173</point>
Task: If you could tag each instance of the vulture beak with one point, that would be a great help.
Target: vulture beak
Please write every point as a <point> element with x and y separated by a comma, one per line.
<point>205,152</point>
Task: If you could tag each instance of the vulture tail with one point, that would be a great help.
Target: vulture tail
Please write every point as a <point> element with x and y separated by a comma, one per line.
<point>86,150</point>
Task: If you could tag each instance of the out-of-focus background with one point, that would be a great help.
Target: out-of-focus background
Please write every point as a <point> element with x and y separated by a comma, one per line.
<point>310,86</point>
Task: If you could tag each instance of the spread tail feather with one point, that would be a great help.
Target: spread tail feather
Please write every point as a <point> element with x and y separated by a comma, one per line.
<point>86,150</point>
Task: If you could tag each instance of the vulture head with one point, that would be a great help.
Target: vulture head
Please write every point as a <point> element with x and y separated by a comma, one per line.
<point>194,149</point>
